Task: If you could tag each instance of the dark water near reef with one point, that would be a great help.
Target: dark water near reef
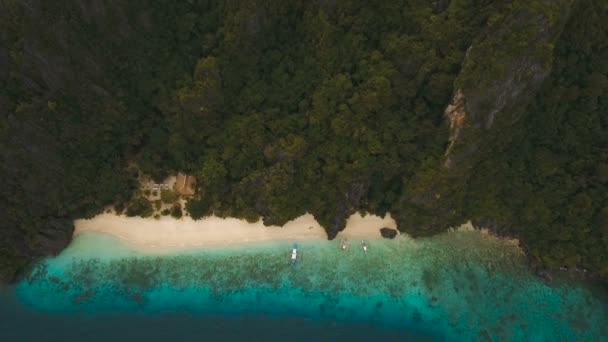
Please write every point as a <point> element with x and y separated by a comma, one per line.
<point>20,323</point>
<point>459,286</point>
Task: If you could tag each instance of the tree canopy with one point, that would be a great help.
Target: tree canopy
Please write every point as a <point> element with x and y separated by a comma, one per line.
<point>286,107</point>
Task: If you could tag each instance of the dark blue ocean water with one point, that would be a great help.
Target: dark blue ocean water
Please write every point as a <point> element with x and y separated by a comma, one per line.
<point>21,323</point>
<point>460,286</point>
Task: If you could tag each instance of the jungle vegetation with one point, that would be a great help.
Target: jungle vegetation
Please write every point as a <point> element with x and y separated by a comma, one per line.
<point>286,107</point>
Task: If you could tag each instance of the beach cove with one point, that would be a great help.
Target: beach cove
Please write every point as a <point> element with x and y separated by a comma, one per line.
<point>167,233</point>
<point>458,286</point>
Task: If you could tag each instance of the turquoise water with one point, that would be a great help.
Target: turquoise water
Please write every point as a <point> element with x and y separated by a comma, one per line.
<point>459,286</point>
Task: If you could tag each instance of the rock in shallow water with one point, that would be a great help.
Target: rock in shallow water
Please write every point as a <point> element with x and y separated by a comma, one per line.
<point>388,233</point>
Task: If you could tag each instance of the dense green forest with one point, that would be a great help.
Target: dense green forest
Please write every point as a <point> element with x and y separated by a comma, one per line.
<point>328,107</point>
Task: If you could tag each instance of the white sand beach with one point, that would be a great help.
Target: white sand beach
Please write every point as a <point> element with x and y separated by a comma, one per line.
<point>173,233</point>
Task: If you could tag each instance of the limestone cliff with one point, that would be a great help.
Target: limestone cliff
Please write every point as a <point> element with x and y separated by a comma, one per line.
<point>40,65</point>
<point>502,71</point>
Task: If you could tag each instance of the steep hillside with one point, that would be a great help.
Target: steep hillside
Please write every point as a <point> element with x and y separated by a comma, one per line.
<point>438,112</point>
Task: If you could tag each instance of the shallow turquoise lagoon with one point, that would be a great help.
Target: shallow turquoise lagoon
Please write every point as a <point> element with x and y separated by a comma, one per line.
<point>459,286</point>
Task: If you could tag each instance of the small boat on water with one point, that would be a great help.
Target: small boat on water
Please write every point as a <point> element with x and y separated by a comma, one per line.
<point>344,244</point>
<point>364,246</point>
<point>294,254</point>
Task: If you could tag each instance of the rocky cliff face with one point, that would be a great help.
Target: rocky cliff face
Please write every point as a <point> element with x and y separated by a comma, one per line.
<point>502,71</point>
<point>40,65</point>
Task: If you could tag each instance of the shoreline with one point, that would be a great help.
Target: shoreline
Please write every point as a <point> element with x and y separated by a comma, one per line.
<point>167,235</point>
<point>170,233</point>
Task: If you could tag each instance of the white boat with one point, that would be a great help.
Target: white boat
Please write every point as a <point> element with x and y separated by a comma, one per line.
<point>344,245</point>
<point>294,254</point>
<point>364,246</point>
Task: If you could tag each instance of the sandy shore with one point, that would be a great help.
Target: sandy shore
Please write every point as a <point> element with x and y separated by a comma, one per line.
<point>214,231</point>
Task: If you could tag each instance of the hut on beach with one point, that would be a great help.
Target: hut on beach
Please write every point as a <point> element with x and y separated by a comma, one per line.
<point>185,184</point>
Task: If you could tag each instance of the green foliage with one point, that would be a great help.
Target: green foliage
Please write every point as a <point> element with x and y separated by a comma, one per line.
<point>549,173</point>
<point>315,113</point>
<point>286,107</point>
<point>168,196</point>
<point>493,52</point>
<point>176,211</point>
<point>199,207</point>
<point>140,206</point>
<point>119,208</point>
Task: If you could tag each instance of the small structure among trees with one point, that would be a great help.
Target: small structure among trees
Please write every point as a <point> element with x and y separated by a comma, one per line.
<point>185,184</point>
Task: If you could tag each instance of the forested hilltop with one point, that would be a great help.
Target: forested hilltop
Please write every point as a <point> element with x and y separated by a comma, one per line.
<point>436,111</point>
